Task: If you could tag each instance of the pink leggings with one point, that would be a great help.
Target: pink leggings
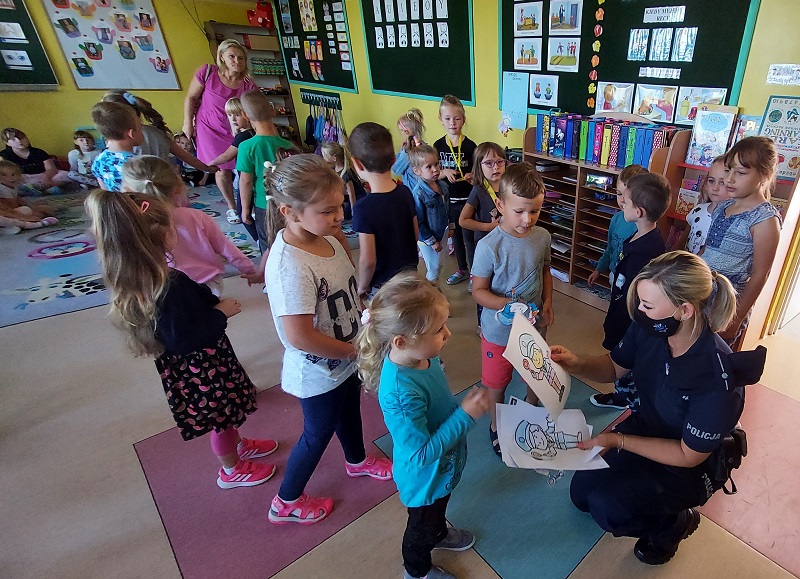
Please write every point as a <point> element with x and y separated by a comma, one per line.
<point>224,442</point>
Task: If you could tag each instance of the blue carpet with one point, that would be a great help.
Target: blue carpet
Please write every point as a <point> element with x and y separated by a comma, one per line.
<point>525,528</point>
<point>55,270</point>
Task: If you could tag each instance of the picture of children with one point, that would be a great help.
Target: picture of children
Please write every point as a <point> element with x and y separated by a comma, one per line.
<point>144,42</point>
<point>121,22</point>
<point>69,27</point>
<point>145,21</point>
<point>528,21</point>
<point>126,50</point>
<point>82,67</point>
<point>104,35</point>
<point>614,96</point>
<point>93,51</point>
<point>527,53</point>
<point>563,54</point>
<point>307,15</point>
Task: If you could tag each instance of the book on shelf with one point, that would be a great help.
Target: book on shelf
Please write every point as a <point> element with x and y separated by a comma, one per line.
<point>746,126</point>
<point>713,127</point>
<point>686,201</point>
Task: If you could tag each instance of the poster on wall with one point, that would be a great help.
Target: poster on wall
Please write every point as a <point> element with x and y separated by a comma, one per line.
<point>781,123</point>
<point>691,97</point>
<point>656,102</point>
<point>113,44</point>
<point>614,96</point>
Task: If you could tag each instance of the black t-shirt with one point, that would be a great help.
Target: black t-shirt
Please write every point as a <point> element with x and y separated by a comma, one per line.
<point>459,191</point>
<point>187,319</point>
<point>33,165</point>
<point>633,257</point>
<point>351,176</point>
<point>242,137</point>
<point>390,218</point>
<point>691,398</point>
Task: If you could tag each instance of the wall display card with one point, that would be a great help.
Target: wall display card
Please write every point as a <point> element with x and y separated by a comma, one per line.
<point>528,19</point>
<point>286,17</point>
<point>515,99</point>
<point>402,35</point>
<point>528,53</point>
<point>402,10</point>
<point>563,53</point>
<point>441,9</point>
<point>379,41</point>
<point>414,9</point>
<point>114,46</point>
<point>565,18</point>
<point>427,31</point>
<point>659,72</point>
<point>443,33</point>
<point>389,4</point>
<point>781,123</point>
<point>308,16</point>
<point>427,9</point>
<point>390,39</point>
<point>377,7</point>
<point>614,96</point>
<point>664,14</point>
<point>661,44</point>
<point>691,97</point>
<point>543,90</point>
<point>637,44</point>
<point>655,102</point>
<point>415,35</point>
<point>786,74</point>
<point>683,47</point>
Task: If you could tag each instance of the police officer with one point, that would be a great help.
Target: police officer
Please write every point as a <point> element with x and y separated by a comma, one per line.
<point>692,394</point>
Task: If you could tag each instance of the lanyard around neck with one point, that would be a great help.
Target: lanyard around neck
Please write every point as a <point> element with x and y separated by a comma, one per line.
<point>456,159</point>
<point>490,189</point>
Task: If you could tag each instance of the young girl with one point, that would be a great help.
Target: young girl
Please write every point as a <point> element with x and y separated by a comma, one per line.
<point>512,264</point>
<point>339,159</point>
<point>412,127</point>
<point>15,213</point>
<point>699,218</point>
<point>157,136</point>
<point>199,243</point>
<point>430,201</point>
<point>456,153</point>
<point>165,314</point>
<point>81,159</point>
<point>745,229</point>
<point>315,305</point>
<point>398,354</point>
<point>479,214</point>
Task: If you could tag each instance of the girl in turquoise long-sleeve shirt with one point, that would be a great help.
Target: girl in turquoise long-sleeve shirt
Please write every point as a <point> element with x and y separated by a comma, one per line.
<point>405,329</point>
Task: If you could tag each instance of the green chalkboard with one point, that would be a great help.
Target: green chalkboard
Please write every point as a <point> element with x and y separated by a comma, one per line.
<point>315,39</point>
<point>720,39</point>
<point>420,48</point>
<point>25,65</point>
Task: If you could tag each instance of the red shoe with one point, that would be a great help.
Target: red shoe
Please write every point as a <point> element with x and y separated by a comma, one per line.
<point>246,473</point>
<point>378,468</point>
<point>252,448</point>
<point>304,510</point>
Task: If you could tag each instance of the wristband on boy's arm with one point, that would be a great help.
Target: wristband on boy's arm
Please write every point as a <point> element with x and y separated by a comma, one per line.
<point>431,241</point>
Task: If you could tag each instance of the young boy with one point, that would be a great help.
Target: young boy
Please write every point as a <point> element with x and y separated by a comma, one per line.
<point>644,202</point>
<point>512,264</point>
<point>122,130</point>
<point>39,171</point>
<point>190,175</point>
<point>385,219</point>
<point>250,159</point>
<point>16,214</point>
<point>619,230</point>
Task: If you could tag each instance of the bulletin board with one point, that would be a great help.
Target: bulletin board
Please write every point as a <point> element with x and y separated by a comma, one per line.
<point>25,64</point>
<point>650,51</point>
<point>113,44</point>
<point>315,39</point>
<point>420,48</point>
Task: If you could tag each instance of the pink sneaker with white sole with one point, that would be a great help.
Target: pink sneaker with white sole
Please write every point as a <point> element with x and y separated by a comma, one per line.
<point>252,448</point>
<point>377,468</point>
<point>246,473</point>
<point>304,510</point>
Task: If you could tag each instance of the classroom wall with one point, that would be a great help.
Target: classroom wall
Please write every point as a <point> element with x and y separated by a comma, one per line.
<point>775,41</point>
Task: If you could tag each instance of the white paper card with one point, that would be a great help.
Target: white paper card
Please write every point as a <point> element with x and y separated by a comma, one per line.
<point>444,34</point>
<point>414,9</point>
<point>390,40</point>
<point>347,66</point>
<point>441,9</point>
<point>337,6</point>
<point>427,9</point>
<point>415,37</point>
<point>428,32</point>
<point>402,10</point>
<point>376,6</point>
<point>530,355</point>
<point>389,10</point>
<point>402,35</point>
<point>379,37</point>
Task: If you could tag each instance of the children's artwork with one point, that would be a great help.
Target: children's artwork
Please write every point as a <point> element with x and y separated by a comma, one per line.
<point>543,90</point>
<point>661,44</point>
<point>711,133</point>
<point>683,48</point>
<point>637,43</point>
<point>563,54</point>
<point>691,97</point>
<point>528,19</point>
<point>781,123</point>
<point>123,28</point>
<point>565,18</point>
<point>531,438</point>
<point>614,96</point>
<point>308,17</point>
<point>656,102</point>
<point>286,16</point>
<point>528,53</point>
<point>530,355</point>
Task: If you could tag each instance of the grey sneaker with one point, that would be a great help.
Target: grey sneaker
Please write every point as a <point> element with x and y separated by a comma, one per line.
<point>456,540</point>
<point>436,572</point>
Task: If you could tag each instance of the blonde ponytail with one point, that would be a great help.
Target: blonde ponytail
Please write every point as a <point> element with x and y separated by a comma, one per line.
<point>152,176</point>
<point>723,309</point>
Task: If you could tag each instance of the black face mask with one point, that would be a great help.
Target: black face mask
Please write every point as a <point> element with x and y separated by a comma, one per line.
<point>663,328</point>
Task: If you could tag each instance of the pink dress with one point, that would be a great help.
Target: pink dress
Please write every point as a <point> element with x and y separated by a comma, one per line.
<point>211,123</point>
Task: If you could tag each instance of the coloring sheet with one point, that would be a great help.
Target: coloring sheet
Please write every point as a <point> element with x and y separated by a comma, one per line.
<point>530,438</point>
<point>530,355</point>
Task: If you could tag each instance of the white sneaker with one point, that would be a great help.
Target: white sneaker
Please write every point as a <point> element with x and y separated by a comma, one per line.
<point>232,216</point>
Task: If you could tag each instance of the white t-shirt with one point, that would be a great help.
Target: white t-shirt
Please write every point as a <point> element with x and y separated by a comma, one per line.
<point>81,162</point>
<point>300,283</point>
<point>699,220</point>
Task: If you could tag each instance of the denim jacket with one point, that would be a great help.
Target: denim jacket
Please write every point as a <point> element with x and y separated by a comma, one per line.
<point>432,210</point>
<point>402,168</point>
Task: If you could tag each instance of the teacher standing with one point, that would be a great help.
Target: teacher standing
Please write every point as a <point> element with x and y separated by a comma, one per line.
<point>204,112</point>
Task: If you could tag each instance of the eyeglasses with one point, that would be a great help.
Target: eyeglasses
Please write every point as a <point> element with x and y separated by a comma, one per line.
<point>494,164</point>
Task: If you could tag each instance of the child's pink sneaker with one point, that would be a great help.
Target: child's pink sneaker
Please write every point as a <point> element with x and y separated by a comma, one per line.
<point>246,473</point>
<point>379,468</point>
<point>304,510</point>
<point>252,448</point>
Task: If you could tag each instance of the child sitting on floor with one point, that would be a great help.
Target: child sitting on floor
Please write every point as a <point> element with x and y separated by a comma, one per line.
<point>81,158</point>
<point>39,171</point>
<point>16,214</point>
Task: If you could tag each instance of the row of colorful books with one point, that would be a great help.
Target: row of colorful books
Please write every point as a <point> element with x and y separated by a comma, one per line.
<point>600,140</point>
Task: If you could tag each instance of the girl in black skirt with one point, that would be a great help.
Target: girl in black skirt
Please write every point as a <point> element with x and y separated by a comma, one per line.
<point>165,314</point>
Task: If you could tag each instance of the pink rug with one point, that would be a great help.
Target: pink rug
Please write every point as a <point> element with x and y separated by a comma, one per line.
<point>221,533</point>
<point>765,513</point>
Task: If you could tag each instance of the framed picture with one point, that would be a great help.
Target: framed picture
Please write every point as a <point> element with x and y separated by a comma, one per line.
<point>528,53</point>
<point>565,18</point>
<point>528,19</point>
<point>563,53</point>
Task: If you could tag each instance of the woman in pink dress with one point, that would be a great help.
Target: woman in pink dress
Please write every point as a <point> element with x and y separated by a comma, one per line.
<point>204,112</point>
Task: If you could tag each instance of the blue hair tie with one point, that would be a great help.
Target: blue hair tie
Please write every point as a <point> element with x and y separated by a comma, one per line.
<point>129,98</point>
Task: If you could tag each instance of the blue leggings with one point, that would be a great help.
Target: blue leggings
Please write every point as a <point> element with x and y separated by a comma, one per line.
<point>337,411</point>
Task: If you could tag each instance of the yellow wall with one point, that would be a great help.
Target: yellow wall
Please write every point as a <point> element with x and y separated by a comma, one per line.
<point>49,118</point>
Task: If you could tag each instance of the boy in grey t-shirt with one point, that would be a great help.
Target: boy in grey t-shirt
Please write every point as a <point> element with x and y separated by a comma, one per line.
<point>512,263</point>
